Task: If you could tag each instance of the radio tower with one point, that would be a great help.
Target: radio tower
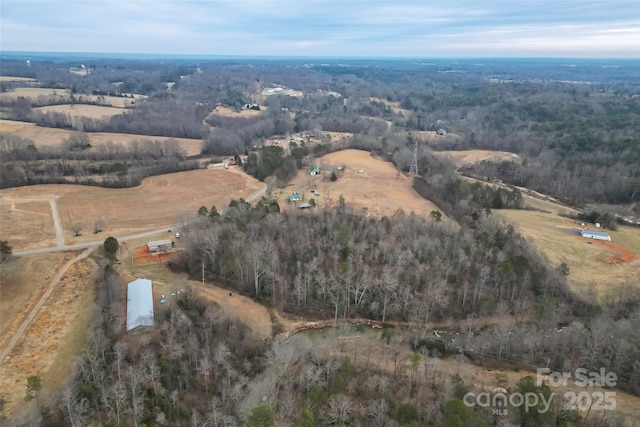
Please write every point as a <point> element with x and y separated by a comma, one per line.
<point>413,170</point>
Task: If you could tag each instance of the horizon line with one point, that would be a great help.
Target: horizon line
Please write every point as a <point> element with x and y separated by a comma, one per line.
<point>128,55</point>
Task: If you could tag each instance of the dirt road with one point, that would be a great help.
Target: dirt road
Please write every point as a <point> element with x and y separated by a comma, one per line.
<point>29,318</point>
<point>60,246</point>
<point>57,223</point>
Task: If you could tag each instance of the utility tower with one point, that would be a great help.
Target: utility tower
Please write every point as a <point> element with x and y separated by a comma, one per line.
<point>413,170</point>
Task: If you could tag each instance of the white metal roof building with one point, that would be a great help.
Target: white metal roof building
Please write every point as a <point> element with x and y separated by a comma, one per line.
<point>139,304</point>
<point>595,234</point>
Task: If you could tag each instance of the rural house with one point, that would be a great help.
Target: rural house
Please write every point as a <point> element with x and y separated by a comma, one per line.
<point>594,234</point>
<point>159,246</point>
<point>295,197</point>
<point>139,304</point>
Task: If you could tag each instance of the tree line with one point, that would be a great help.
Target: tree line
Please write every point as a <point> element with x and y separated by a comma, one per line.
<point>108,165</point>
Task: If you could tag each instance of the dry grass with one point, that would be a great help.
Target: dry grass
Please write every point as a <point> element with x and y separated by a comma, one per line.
<point>35,93</point>
<point>48,137</point>
<point>379,189</point>
<point>16,79</point>
<point>532,199</point>
<point>154,204</point>
<point>20,289</point>
<point>469,157</point>
<point>431,136</point>
<point>243,114</point>
<point>27,222</point>
<point>57,333</point>
<point>65,95</point>
<point>247,311</point>
<point>115,101</point>
<point>83,110</point>
<point>596,268</point>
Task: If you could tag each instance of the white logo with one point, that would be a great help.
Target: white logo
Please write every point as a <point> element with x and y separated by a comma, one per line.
<point>500,400</point>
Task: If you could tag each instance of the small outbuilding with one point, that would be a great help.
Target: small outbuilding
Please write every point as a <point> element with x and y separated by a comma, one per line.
<point>304,206</point>
<point>315,171</point>
<point>139,304</point>
<point>159,246</point>
<point>595,234</point>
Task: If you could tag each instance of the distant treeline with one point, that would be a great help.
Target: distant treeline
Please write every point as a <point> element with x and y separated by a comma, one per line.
<point>107,165</point>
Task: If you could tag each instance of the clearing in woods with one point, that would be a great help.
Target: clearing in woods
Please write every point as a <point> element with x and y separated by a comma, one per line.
<point>55,96</point>
<point>393,105</point>
<point>49,137</point>
<point>16,79</point>
<point>56,334</point>
<point>254,315</point>
<point>242,114</point>
<point>155,204</point>
<point>83,110</point>
<point>469,157</point>
<point>379,188</point>
<point>596,268</point>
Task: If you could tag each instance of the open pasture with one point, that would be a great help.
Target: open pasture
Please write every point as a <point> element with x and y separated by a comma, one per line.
<point>157,203</point>
<point>26,222</point>
<point>83,110</point>
<point>55,96</point>
<point>596,268</point>
<point>16,79</point>
<point>48,137</point>
<point>244,113</point>
<point>378,187</point>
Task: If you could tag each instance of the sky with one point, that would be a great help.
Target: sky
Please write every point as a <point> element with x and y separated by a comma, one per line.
<point>326,28</point>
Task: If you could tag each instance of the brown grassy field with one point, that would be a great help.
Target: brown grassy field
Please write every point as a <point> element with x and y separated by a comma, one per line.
<point>379,188</point>
<point>237,306</point>
<point>83,110</point>
<point>19,289</point>
<point>154,204</point>
<point>16,79</point>
<point>431,137</point>
<point>26,221</point>
<point>35,93</point>
<point>596,268</point>
<point>65,95</point>
<point>532,199</point>
<point>48,137</point>
<point>57,332</point>
<point>244,113</point>
<point>468,157</point>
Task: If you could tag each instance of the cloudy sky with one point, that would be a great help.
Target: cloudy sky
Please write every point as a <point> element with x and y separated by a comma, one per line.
<point>345,28</point>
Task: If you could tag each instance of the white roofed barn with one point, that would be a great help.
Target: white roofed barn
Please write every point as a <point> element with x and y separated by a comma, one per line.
<point>139,304</point>
<point>595,234</point>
